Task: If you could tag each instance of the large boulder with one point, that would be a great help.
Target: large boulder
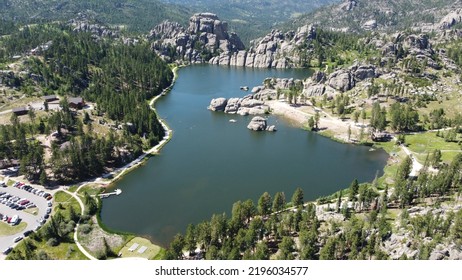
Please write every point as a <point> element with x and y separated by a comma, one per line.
<point>348,5</point>
<point>257,124</point>
<point>250,103</point>
<point>318,77</point>
<point>364,72</point>
<point>370,24</point>
<point>233,105</point>
<point>218,104</point>
<point>341,80</point>
<point>314,90</point>
<point>439,254</point>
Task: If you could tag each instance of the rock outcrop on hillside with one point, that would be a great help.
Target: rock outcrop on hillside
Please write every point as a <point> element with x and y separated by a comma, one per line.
<point>207,40</point>
<point>205,37</point>
<point>339,81</point>
<point>84,23</point>
<point>275,50</point>
<point>451,19</point>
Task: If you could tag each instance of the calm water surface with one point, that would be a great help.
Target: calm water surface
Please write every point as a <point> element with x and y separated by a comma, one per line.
<point>210,163</point>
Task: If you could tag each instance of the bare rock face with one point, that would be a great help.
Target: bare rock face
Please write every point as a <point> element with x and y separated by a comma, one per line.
<point>98,31</point>
<point>341,80</point>
<point>420,47</point>
<point>417,42</point>
<point>370,24</point>
<point>314,90</point>
<point>348,5</point>
<point>363,72</point>
<point>275,50</point>
<point>257,124</point>
<point>279,50</point>
<point>205,36</point>
<point>451,19</point>
<point>318,77</point>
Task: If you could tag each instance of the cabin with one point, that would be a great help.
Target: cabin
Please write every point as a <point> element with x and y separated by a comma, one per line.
<point>20,111</point>
<point>76,102</point>
<point>50,98</point>
<point>381,136</point>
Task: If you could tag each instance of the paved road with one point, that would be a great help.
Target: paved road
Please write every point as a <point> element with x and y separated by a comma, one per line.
<point>31,220</point>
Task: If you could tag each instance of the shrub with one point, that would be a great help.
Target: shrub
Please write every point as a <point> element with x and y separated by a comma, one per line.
<point>52,242</point>
<point>85,229</point>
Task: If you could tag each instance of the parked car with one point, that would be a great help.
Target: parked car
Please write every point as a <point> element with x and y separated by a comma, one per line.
<point>7,250</point>
<point>17,239</point>
<point>28,232</point>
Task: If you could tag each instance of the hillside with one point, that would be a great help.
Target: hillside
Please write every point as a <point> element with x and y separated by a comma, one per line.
<point>136,15</point>
<point>251,19</point>
<point>361,15</point>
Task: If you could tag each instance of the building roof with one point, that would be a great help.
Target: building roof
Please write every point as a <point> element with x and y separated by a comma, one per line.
<point>47,97</point>
<point>76,100</point>
<point>20,109</point>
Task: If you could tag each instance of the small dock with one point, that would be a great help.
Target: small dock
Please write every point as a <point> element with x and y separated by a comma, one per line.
<point>106,195</point>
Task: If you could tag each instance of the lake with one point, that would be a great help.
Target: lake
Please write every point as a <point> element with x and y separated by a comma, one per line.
<point>210,163</point>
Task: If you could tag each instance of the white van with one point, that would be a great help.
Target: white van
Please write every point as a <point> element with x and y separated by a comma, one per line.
<point>14,220</point>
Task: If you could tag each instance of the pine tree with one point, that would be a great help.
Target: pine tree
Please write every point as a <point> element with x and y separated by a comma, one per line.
<point>297,197</point>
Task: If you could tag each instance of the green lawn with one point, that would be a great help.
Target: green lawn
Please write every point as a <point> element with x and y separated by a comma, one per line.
<point>7,230</point>
<point>92,189</point>
<point>61,197</point>
<point>73,188</point>
<point>151,252</point>
<point>62,203</point>
<point>425,143</point>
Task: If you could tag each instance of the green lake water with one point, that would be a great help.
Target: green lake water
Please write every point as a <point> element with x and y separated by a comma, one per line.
<point>210,163</point>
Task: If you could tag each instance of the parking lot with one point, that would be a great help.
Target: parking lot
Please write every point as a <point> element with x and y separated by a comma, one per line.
<point>33,221</point>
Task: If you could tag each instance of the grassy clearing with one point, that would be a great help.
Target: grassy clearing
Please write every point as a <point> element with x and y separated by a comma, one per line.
<point>7,230</point>
<point>396,156</point>
<point>424,143</point>
<point>64,251</point>
<point>62,197</point>
<point>91,189</point>
<point>73,188</point>
<point>152,252</point>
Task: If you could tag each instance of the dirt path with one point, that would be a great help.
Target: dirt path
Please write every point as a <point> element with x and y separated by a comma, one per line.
<point>416,166</point>
<point>76,238</point>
